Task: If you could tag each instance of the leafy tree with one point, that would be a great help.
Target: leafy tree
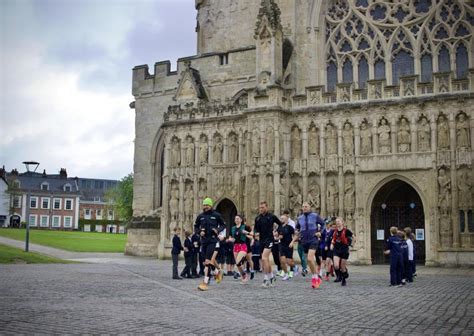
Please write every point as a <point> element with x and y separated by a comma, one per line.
<point>122,197</point>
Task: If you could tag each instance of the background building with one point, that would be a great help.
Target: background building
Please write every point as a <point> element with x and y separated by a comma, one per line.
<point>362,107</point>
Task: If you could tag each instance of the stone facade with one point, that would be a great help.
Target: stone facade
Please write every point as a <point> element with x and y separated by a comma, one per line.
<point>325,101</point>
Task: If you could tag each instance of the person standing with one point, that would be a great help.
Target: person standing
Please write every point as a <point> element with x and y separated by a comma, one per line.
<point>265,224</point>
<point>209,224</point>
<point>394,249</point>
<point>195,257</point>
<point>188,251</point>
<point>175,252</point>
<point>308,228</point>
<point>341,241</point>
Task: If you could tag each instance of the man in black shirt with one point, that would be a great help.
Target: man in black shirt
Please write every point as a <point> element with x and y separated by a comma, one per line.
<point>287,239</point>
<point>209,224</point>
<point>265,225</point>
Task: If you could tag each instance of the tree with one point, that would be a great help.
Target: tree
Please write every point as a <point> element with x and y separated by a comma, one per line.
<point>122,197</point>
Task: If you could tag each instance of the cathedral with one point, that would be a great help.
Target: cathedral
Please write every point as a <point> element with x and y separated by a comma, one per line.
<point>362,108</point>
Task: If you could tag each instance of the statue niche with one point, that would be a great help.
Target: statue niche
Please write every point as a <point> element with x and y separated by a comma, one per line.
<point>233,146</point>
<point>443,133</point>
<point>175,155</point>
<point>313,141</point>
<point>296,143</point>
<point>462,132</point>
<point>403,136</point>
<point>424,135</point>
<point>365,138</point>
<point>331,140</point>
<point>218,149</point>
<point>383,132</point>
<point>189,152</point>
<point>203,151</point>
<point>348,139</point>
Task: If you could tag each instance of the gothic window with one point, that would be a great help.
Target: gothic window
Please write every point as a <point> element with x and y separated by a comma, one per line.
<point>462,62</point>
<point>402,65</point>
<point>332,76</point>
<point>426,68</point>
<point>363,72</point>
<point>347,71</point>
<point>379,69</point>
<point>444,62</point>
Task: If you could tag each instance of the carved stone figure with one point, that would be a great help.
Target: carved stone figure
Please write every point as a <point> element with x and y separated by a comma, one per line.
<point>202,193</point>
<point>348,139</point>
<point>444,191</point>
<point>349,195</point>
<point>313,141</point>
<point>256,143</point>
<point>296,198</point>
<point>188,204</point>
<point>175,153</point>
<point>189,152</point>
<point>270,196</point>
<point>314,197</point>
<point>263,81</point>
<point>365,139</point>
<point>332,197</point>
<point>203,151</point>
<point>218,149</point>
<point>443,133</point>
<point>331,140</point>
<point>283,194</point>
<point>424,135</point>
<point>384,137</point>
<point>295,143</point>
<point>462,132</point>
<point>465,190</point>
<point>174,202</point>
<point>403,135</point>
<point>233,148</point>
<point>270,144</point>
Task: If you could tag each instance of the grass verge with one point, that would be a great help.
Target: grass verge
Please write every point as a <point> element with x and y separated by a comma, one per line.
<point>13,255</point>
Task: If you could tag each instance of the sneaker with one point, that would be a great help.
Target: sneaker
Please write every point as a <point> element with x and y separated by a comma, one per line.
<point>343,282</point>
<point>266,284</point>
<point>314,283</point>
<point>272,281</point>
<point>218,276</point>
<point>286,277</point>
<point>236,275</point>
<point>252,275</point>
<point>203,286</point>
<point>290,274</point>
<point>305,271</point>
<point>281,273</point>
<point>296,270</point>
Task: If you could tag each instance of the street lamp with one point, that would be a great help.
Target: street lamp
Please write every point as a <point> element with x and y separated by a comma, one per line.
<point>34,165</point>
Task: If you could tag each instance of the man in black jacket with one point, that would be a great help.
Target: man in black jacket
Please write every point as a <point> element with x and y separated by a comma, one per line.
<point>209,224</point>
<point>175,252</point>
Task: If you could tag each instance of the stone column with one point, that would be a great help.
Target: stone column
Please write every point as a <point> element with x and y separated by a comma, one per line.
<point>393,135</point>
<point>322,144</point>
<point>454,184</point>
<point>165,216</point>
<point>304,157</point>
<point>375,137</point>
<point>181,202</point>
<point>225,155</point>
<point>433,126</point>
<point>414,133</point>
<point>276,171</point>
<point>356,139</point>
<point>340,154</point>
<point>472,133</point>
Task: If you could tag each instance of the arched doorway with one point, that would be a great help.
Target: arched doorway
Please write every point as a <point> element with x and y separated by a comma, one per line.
<point>228,210</point>
<point>396,204</point>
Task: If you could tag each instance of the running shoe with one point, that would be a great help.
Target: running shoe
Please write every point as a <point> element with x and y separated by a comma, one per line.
<point>281,273</point>
<point>272,281</point>
<point>266,284</point>
<point>203,286</point>
<point>286,277</point>
<point>314,283</point>
<point>218,276</point>
<point>252,275</point>
<point>296,270</point>
<point>290,274</point>
<point>305,271</point>
<point>236,275</point>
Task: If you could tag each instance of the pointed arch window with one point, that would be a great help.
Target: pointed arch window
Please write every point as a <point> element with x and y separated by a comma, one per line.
<point>363,72</point>
<point>426,68</point>
<point>379,69</point>
<point>402,65</point>
<point>462,62</point>
<point>347,74</point>
<point>332,76</point>
<point>444,62</point>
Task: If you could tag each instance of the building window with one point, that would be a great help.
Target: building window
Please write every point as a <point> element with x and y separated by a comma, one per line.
<point>87,213</point>
<point>402,65</point>
<point>44,221</point>
<point>332,76</point>
<point>347,76</point>
<point>444,62</point>
<point>462,62</point>
<point>57,204</point>
<point>224,59</point>
<point>426,68</point>
<point>68,204</point>
<point>110,215</point>
<point>56,221</point>
<point>33,202</point>
<point>32,220</point>
<point>67,188</point>
<point>16,202</point>
<point>67,221</point>
<point>96,199</point>
<point>16,184</point>
<point>363,73</point>
<point>379,69</point>
<point>44,203</point>
<point>98,214</point>
<point>45,186</point>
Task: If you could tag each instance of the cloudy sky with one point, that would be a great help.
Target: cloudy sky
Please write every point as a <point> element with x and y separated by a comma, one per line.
<point>65,70</point>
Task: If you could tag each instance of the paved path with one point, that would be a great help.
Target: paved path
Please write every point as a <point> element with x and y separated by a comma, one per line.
<point>124,295</point>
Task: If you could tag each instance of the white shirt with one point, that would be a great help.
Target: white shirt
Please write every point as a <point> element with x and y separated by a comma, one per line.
<point>292,223</point>
<point>410,249</point>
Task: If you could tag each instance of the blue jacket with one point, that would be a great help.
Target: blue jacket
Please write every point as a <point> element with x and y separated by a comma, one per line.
<point>394,244</point>
<point>308,224</point>
<point>177,247</point>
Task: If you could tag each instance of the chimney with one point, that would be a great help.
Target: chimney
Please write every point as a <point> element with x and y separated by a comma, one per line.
<point>14,172</point>
<point>63,173</point>
<point>44,173</point>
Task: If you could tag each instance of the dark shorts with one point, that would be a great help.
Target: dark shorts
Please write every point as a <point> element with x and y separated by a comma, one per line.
<point>324,254</point>
<point>342,253</point>
<point>286,252</point>
<point>229,259</point>
<point>249,248</point>
<point>267,244</point>
<point>310,246</point>
<point>208,250</point>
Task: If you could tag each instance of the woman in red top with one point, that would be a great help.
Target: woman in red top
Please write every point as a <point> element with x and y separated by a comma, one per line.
<point>341,241</point>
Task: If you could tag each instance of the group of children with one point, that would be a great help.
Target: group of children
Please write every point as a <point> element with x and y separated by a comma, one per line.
<point>399,246</point>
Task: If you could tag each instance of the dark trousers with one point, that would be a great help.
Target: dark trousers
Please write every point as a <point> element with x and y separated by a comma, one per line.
<point>396,268</point>
<point>276,255</point>
<point>407,274</point>
<point>186,272</point>
<point>201,263</point>
<point>175,265</point>
<point>194,262</point>
<point>413,266</point>
<point>256,262</point>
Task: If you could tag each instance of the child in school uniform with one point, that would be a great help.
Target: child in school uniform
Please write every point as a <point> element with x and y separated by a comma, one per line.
<point>393,248</point>
<point>175,252</point>
<point>256,250</point>
<point>188,252</point>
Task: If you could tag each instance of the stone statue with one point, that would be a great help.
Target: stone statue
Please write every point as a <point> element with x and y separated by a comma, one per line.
<point>283,194</point>
<point>384,137</point>
<point>218,149</point>
<point>270,141</point>
<point>203,151</point>
<point>443,133</point>
<point>263,81</point>
<point>270,196</point>
<point>462,132</point>
<point>348,139</point>
<point>189,152</point>
<point>465,190</point>
<point>188,204</point>
<point>424,135</point>
<point>444,184</point>
<point>313,141</point>
<point>349,195</point>
<point>174,202</point>
<point>332,197</point>
<point>295,143</point>
<point>175,153</point>
<point>331,140</point>
<point>254,195</point>
<point>314,197</point>
<point>403,135</point>
<point>233,149</point>
<point>366,139</point>
<point>296,198</point>
<point>256,143</point>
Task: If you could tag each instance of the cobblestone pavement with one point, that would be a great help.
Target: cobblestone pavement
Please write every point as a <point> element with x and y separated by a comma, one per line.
<point>140,298</point>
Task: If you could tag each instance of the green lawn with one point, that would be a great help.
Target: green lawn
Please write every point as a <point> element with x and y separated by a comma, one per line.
<point>12,255</point>
<point>71,240</point>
